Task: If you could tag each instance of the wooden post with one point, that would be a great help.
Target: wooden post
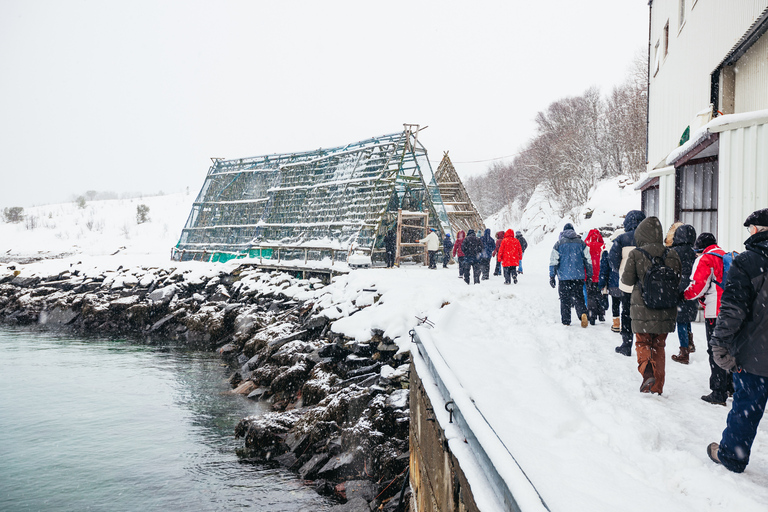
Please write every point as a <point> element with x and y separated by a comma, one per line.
<point>426,230</point>
<point>397,243</point>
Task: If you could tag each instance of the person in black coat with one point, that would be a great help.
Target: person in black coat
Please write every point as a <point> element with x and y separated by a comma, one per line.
<point>523,246</point>
<point>447,247</point>
<point>682,243</point>
<point>473,249</point>
<point>489,247</point>
<point>390,246</point>
<point>740,345</point>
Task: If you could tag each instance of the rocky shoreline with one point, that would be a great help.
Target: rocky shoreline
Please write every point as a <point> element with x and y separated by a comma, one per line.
<point>339,415</point>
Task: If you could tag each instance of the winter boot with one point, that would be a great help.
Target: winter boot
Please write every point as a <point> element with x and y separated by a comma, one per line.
<point>682,357</point>
<point>712,450</point>
<point>625,348</point>
<point>616,327</point>
<point>691,346</point>
<point>714,399</point>
<point>584,320</point>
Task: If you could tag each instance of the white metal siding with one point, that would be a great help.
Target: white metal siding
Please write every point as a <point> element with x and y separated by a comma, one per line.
<point>752,78</point>
<point>681,88</point>
<point>743,181</point>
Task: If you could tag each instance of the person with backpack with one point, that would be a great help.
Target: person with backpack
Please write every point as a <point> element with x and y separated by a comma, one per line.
<point>447,246</point>
<point>652,271</point>
<point>499,238</point>
<point>609,284</point>
<point>681,238</point>
<point>523,246</point>
<point>706,285</point>
<point>510,253</point>
<point>595,310</point>
<point>473,250</point>
<point>570,261</point>
<point>740,345</point>
<point>458,252</point>
<point>617,258</point>
<point>489,247</point>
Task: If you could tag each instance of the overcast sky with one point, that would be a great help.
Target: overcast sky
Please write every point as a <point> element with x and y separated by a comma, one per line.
<point>136,96</point>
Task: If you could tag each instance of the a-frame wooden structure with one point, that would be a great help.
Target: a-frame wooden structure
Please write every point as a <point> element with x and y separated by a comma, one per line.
<point>462,213</point>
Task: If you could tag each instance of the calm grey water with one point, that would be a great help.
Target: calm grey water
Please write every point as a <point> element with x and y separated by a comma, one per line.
<point>113,426</point>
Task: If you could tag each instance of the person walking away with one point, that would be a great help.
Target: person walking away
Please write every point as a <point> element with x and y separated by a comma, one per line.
<point>570,262</point>
<point>617,257</point>
<point>595,311</point>
<point>473,248</point>
<point>707,269</point>
<point>447,247</point>
<point>433,244</point>
<point>740,345</point>
<point>609,283</point>
<point>510,253</point>
<point>523,246</point>
<point>499,238</point>
<point>650,325</point>
<point>458,252</point>
<point>682,239</point>
<point>489,247</point>
<point>390,246</point>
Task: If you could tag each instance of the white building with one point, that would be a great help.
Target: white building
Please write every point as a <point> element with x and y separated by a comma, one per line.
<point>708,85</point>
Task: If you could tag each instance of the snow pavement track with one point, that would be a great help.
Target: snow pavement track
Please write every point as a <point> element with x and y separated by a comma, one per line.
<point>563,402</point>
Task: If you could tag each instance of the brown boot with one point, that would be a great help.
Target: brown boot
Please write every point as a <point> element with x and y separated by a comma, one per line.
<point>616,327</point>
<point>682,357</point>
<point>691,346</point>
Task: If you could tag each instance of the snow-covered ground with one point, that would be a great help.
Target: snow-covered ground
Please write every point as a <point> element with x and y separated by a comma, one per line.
<point>563,402</point>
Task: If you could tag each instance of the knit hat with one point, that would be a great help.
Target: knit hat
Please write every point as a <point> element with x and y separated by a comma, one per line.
<point>757,218</point>
<point>568,226</point>
<point>703,241</point>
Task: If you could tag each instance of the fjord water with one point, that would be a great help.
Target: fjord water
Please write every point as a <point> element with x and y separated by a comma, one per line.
<point>111,425</point>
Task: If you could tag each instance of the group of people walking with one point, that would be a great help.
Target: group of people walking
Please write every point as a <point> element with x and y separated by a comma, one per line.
<point>655,282</point>
<point>474,254</point>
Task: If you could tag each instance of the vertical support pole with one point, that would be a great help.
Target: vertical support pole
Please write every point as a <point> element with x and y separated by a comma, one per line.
<point>426,229</point>
<point>399,235</point>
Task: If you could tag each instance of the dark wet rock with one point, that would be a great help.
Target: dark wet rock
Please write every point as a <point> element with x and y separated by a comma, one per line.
<point>310,469</point>
<point>58,316</point>
<point>344,465</point>
<point>364,489</point>
<point>258,393</point>
<point>353,505</point>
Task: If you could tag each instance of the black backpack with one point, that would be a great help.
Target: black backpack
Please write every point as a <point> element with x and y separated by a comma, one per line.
<point>660,283</point>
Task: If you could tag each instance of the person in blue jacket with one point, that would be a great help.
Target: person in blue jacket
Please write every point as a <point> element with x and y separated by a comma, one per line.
<point>617,257</point>
<point>447,247</point>
<point>571,262</point>
<point>489,247</point>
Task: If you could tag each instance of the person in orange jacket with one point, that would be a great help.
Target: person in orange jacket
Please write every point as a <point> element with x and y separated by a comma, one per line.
<point>510,253</point>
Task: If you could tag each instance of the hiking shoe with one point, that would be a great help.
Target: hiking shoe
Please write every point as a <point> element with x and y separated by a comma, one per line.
<point>616,327</point>
<point>584,320</point>
<point>714,399</point>
<point>645,387</point>
<point>712,452</point>
<point>624,349</point>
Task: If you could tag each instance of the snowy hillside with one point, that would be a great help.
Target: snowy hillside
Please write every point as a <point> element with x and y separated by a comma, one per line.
<point>99,229</point>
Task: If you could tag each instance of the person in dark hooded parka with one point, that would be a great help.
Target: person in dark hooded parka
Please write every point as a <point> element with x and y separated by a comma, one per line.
<point>571,262</point>
<point>682,243</point>
<point>650,326</point>
<point>473,249</point>
<point>617,258</point>
<point>489,247</point>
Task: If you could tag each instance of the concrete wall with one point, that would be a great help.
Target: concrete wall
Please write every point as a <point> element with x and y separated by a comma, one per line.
<point>437,481</point>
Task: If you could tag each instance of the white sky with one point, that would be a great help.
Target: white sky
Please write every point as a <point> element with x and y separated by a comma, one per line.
<point>136,96</point>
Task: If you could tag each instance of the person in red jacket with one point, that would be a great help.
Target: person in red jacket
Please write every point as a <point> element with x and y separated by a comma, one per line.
<point>510,253</point>
<point>458,252</point>
<point>595,310</point>
<point>499,238</point>
<point>707,269</point>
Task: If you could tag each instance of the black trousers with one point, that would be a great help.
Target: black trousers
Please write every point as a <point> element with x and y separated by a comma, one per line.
<point>571,295</point>
<point>485,267</point>
<point>594,302</point>
<point>720,381</point>
<point>497,270</point>
<point>509,273</point>
<point>390,258</point>
<point>475,266</point>
<point>432,259</point>
<point>626,321</point>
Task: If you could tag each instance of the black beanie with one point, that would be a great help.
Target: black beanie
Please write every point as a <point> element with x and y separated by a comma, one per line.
<point>758,218</point>
<point>568,226</point>
<point>703,241</point>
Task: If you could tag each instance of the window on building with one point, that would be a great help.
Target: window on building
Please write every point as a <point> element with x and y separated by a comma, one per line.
<point>681,11</point>
<point>666,40</point>
<point>656,58</point>
<point>649,200</point>
<point>697,194</point>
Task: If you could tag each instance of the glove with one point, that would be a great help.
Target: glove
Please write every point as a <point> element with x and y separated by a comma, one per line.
<point>723,358</point>
<point>552,281</point>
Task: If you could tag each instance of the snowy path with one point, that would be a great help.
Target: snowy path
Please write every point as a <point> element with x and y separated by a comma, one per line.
<point>564,403</point>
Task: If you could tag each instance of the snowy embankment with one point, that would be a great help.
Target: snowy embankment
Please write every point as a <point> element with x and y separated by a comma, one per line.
<point>566,406</point>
